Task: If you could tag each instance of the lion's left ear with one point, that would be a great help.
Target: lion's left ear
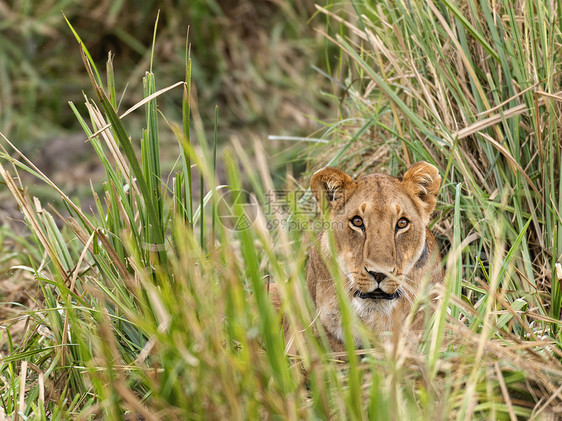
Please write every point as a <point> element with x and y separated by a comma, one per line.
<point>422,181</point>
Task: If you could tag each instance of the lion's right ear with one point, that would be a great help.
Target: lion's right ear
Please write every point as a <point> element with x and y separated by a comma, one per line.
<point>331,186</point>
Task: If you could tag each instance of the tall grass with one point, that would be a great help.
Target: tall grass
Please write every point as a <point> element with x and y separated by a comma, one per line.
<point>475,89</point>
<point>150,309</point>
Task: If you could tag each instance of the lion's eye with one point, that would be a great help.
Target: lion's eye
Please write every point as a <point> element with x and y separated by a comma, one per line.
<point>357,221</point>
<point>402,223</point>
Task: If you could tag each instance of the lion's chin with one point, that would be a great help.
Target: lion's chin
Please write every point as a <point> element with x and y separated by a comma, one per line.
<point>377,294</point>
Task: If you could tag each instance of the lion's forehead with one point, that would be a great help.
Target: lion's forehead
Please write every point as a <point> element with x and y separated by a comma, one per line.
<point>379,195</point>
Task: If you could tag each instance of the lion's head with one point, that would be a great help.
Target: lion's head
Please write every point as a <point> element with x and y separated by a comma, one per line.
<point>379,226</point>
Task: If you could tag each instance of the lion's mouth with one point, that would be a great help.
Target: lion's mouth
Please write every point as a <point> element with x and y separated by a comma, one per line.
<point>377,294</point>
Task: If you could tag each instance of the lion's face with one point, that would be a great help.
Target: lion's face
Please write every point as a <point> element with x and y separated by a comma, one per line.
<point>379,229</point>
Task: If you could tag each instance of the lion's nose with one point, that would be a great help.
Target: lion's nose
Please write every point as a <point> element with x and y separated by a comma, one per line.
<point>377,276</point>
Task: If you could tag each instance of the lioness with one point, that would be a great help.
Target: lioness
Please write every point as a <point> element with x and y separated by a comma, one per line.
<point>383,247</point>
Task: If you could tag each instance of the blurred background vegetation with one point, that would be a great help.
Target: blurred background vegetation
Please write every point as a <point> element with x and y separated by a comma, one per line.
<point>258,61</point>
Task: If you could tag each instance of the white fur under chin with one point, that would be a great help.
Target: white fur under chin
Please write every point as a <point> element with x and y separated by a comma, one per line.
<point>367,310</point>
<point>366,307</point>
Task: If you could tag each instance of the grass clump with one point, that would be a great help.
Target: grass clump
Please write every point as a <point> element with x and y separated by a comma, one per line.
<point>155,308</point>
